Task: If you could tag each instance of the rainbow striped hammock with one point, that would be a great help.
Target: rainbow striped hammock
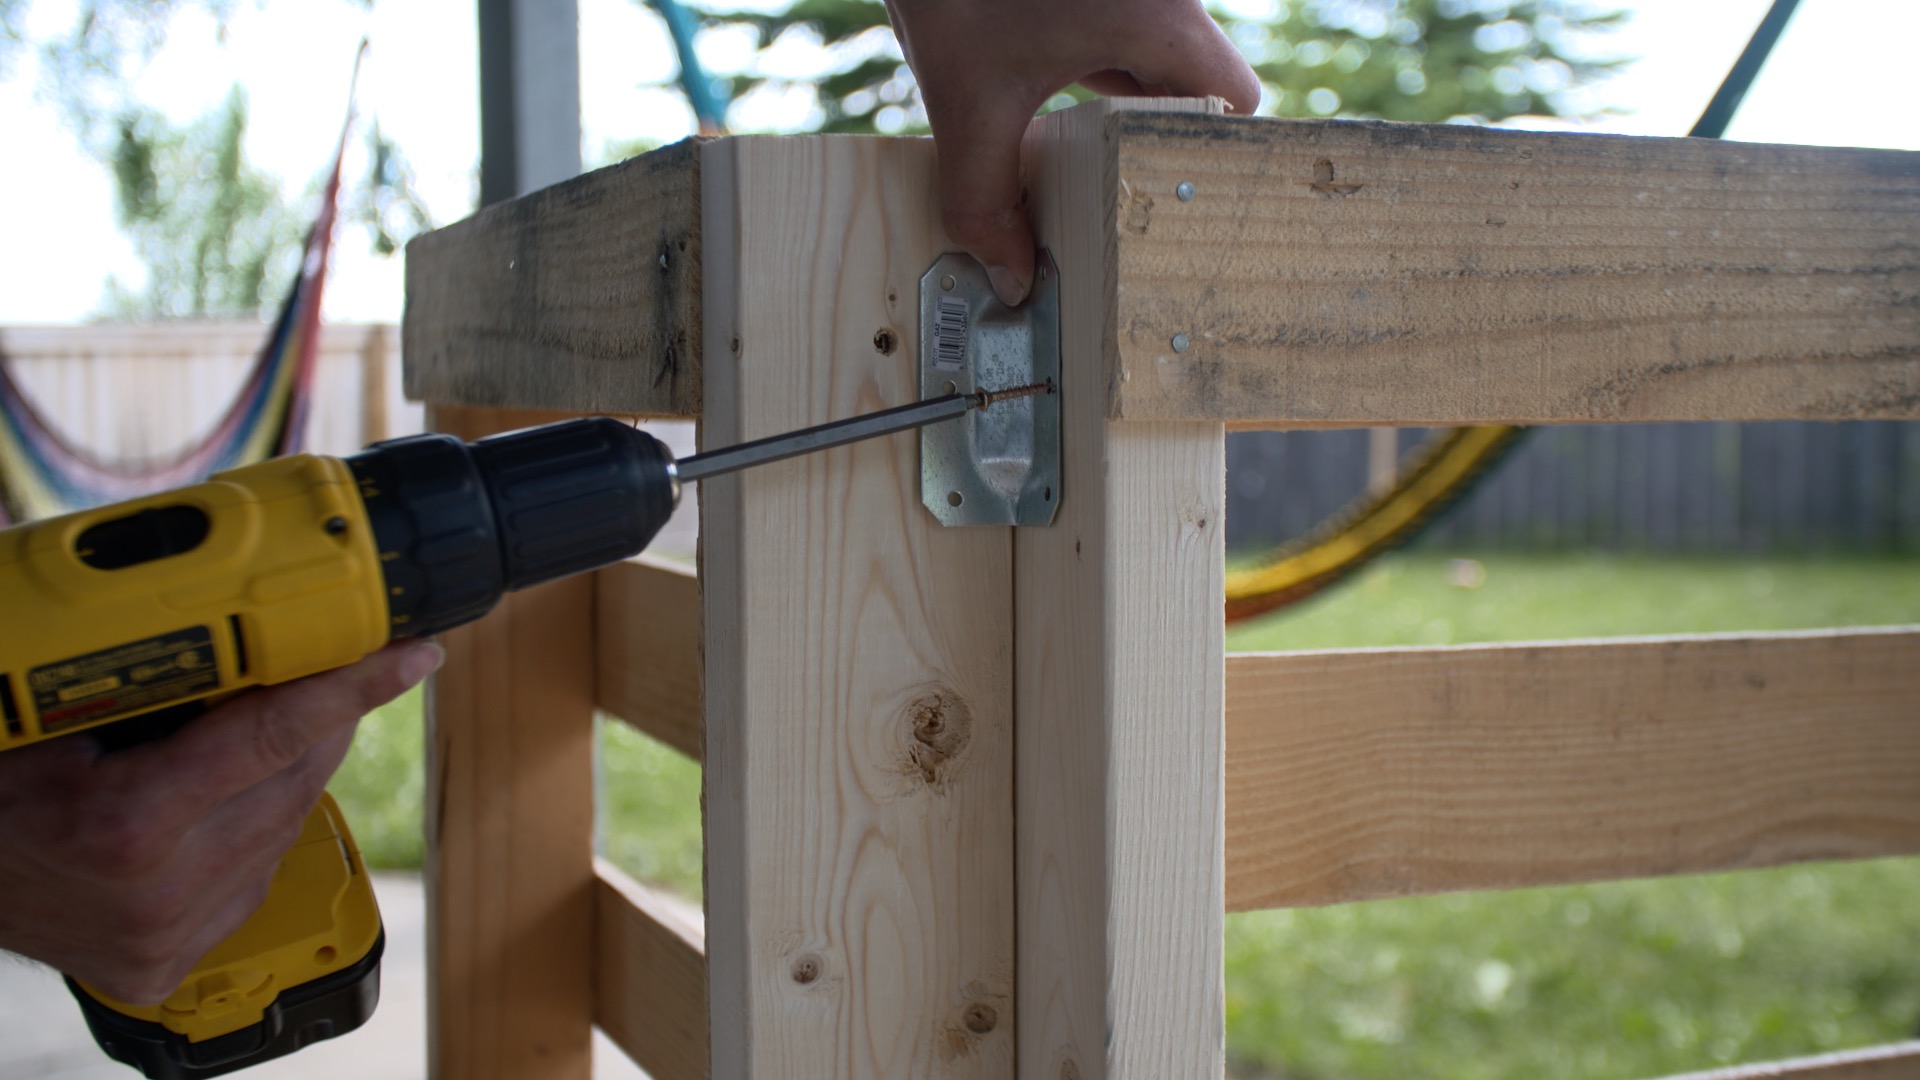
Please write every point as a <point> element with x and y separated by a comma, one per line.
<point>43,475</point>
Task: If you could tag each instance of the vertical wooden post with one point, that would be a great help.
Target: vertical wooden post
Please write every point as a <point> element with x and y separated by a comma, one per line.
<point>510,829</point>
<point>1120,685</point>
<point>373,383</point>
<point>858,656</point>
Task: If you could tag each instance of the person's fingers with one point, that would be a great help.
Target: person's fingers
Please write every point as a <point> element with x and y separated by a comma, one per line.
<point>1187,56</point>
<point>245,740</point>
<point>981,197</point>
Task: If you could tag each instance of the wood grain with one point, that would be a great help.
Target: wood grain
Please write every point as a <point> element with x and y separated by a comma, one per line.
<point>584,296</point>
<point>647,649</point>
<point>1118,675</point>
<point>650,975</point>
<point>1896,1061</point>
<point>1399,772</point>
<point>1352,272</point>
<point>509,865</point>
<point>859,657</point>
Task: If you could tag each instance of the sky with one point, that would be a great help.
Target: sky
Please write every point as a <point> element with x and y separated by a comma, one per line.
<point>1842,75</point>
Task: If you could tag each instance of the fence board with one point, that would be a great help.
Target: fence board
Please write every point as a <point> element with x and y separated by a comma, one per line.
<point>146,392</point>
<point>650,975</point>
<point>1896,1061</point>
<point>647,644</point>
<point>1396,772</point>
<point>1700,488</point>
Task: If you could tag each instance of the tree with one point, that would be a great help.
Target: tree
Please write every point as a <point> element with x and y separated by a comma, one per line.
<point>217,235</point>
<point>1426,60</point>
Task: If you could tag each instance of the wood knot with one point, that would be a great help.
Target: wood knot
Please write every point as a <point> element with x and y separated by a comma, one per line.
<point>806,968</point>
<point>981,1018</point>
<point>939,727</point>
<point>884,341</point>
<point>1069,1070</point>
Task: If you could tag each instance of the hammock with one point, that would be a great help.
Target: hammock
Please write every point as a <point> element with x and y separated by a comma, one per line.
<point>43,475</point>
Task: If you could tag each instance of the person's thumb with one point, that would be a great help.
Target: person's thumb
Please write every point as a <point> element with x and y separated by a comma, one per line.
<point>981,199</point>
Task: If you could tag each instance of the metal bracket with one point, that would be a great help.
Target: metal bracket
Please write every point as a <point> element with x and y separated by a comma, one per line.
<point>999,465</point>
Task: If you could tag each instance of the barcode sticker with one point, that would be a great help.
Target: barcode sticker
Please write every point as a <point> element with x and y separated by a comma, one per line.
<point>950,333</point>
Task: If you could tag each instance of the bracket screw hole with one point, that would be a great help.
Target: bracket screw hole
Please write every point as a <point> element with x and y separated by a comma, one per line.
<point>1047,495</point>
<point>1180,342</point>
<point>946,283</point>
<point>954,498</point>
<point>1184,191</point>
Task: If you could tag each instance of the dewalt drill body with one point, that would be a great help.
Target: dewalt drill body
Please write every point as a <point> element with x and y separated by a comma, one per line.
<point>127,619</point>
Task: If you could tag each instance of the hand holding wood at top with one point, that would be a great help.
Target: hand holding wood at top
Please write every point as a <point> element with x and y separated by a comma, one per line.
<point>985,67</point>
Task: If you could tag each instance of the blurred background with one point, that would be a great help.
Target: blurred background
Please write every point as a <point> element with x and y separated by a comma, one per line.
<point>166,156</point>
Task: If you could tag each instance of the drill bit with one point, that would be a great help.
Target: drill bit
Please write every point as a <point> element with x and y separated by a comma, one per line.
<point>841,432</point>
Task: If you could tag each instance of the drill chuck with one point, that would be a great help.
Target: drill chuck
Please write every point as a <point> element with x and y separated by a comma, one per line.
<point>457,524</point>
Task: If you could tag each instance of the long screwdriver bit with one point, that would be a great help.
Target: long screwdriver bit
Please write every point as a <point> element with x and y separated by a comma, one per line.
<point>841,432</point>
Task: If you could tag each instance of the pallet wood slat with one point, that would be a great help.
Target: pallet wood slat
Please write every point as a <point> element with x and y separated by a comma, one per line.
<point>859,663</point>
<point>647,649</point>
<point>1118,674</point>
<point>509,867</point>
<point>584,296</point>
<point>1343,272</point>
<point>650,975</point>
<point>1895,1061</point>
<point>1371,773</point>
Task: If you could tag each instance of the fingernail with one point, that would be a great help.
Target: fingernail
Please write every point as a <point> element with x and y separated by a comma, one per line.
<point>421,661</point>
<point>1007,286</point>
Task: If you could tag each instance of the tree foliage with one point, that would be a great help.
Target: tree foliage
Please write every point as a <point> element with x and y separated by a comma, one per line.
<point>214,232</point>
<point>217,235</point>
<point>1423,60</point>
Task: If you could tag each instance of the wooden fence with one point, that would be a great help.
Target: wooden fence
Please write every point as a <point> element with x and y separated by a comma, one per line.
<point>976,800</point>
<point>134,392</point>
<point>1784,486</point>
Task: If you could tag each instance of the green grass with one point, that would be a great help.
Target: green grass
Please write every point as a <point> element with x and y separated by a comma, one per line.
<point>1412,600</point>
<point>1616,980</point>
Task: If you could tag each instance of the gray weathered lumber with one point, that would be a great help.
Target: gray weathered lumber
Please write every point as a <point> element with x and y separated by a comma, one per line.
<point>1353,273</point>
<point>584,296</point>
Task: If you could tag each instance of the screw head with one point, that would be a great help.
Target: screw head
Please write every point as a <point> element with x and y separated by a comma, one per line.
<point>1180,342</point>
<point>1184,191</point>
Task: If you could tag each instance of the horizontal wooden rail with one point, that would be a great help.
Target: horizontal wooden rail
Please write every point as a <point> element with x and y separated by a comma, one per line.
<point>1895,1061</point>
<point>1320,273</point>
<point>650,976</point>
<point>584,296</point>
<point>647,649</point>
<point>1396,772</point>
<point>1357,273</point>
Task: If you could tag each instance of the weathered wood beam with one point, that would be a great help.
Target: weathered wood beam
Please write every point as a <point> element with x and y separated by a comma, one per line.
<point>650,975</point>
<point>647,649</point>
<point>1895,1061</point>
<point>584,296</point>
<point>1343,272</point>
<point>1369,773</point>
<point>1322,274</point>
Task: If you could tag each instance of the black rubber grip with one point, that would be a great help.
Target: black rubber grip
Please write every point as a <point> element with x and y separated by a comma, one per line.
<point>459,524</point>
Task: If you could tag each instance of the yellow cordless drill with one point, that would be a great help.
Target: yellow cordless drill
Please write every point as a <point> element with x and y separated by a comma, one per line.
<point>125,620</point>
